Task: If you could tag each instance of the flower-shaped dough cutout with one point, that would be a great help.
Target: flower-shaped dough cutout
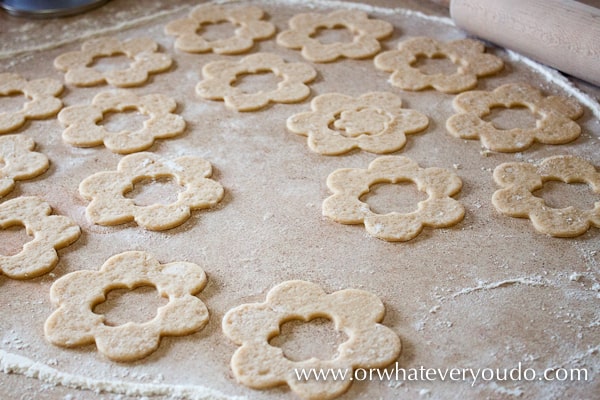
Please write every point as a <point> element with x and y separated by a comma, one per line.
<point>520,180</point>
<point>357,313</point>
<point>467,54</point>
<point>555,124</point>
<point>439,210</point>
<point>374,122</point>
<point>40,93</point>
<point>247,21</point>
<point>220,76</point>
<point>366,34</point>
<point>107,190</point>
<point>49,232</point>
<point>18,161</point>
<point>74,323</point>
<point>79,65</point>
<point>82,127</point>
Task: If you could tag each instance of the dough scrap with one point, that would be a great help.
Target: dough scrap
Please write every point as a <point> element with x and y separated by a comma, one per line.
<point>76,294</point>
<point>79,69</point>
<point>82,129</point>
<point>219,77</point>
<point>555,125</point>
<point>439,210</point>
<point>365,43</point>
<point>49,232</point>
<point>247,21</point>
<point>18,161</point>
<point>107,190</point>
<point>355,312</point>
<point>374,122</point>
<point>42,100</point>
<point>520,180</point>
<point>467,54</point>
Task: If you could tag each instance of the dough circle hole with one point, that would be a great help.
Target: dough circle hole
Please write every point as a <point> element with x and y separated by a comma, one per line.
<point>437,64</point>
<point>12,102</point>
<point>300,340</point>
<point>162,190</point>
<point>213,31</point>
<point>115,62</point>
<point>401,197</point>
<point>12,239</point>
<point>256,82</point>
<point>336,34</point>
<point>558,194</point>
<point>128,120</point>
<point>506,118</point>
<point>124,305</point>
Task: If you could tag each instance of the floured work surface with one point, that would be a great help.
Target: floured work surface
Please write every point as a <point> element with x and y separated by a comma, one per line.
<point>488,292</point>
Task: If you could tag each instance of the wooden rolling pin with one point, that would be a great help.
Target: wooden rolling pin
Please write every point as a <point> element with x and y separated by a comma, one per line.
<point>563,34</point>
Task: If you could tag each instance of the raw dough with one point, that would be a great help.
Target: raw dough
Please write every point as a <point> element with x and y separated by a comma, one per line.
<point>355,312</point>
<point>79,69</point>
<point>82,127</point>
<point>18,161</point>
<point>41,93</point>
<point>438,211</point>
<point>247,21</point>
<point>374,122</point>
<point>219,77</point>
<point>467,54</point>
<point>107,189</point>
<point>49,232</point>
<point>365,43</point>
<point>554,126</point>
<point>76,294</point>
<point>520,180</point>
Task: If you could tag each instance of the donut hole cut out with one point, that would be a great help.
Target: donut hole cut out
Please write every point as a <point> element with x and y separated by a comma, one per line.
<point>114,62</point>
<point>515,117</point>
<point>161,190</point>
<point>127,120</point>
<point>438,64</point>
<point>12,102</point>
<point>559,194</point>
<point>387,197</point>
<point>123,305</point>
<point>335,34</point>
<point>301,340</point>
<point>12,239</point>
<point>256,82</point>
<point>219,30</point>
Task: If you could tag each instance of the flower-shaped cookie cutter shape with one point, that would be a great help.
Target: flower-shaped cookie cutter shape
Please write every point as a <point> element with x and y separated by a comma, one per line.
<point>220,77</point>
<point>79,65</point>
<point>554,126</point>
<point>374,122</point>
<point>520,180</point>
<point>357,313</point>
<point>74,323</point>
<point>439,210</point>
<point>467,54</point>
<point>247,21</point>
<point>82,129</point>
<point>49,232</point>
<point>365,43</point>
<point>40,93</point>
<point>18,161</point>
<point>107,190</point>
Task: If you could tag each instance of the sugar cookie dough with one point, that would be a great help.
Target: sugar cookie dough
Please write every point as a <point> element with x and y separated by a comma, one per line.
<point>439,210</point>
<point>554,125</point>
<point>366,34</point>
<point>355,312</point>
<point>520,180</point>
<point>42,101</point>
<point>247,21</point>
<point>107,190</point>
<point>48,232</point>
<point>79,65</point>
<point>220,76</point>
<point>18,161</point>
<point>76,294</point>
<point>374,122</point>
<point>467,54</point>
<point>83,130</point>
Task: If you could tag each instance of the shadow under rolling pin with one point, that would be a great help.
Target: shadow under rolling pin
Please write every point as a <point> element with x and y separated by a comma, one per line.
<point>563,34</point>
